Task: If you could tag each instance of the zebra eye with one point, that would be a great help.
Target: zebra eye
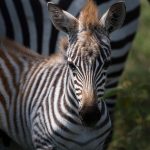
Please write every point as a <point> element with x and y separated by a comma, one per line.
<point>72,66</point>
<point>106,64</point>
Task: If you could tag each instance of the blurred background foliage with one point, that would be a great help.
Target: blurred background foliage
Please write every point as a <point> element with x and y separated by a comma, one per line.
<point>132,116</point>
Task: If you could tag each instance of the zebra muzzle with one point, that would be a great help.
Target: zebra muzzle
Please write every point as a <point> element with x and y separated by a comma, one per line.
<point>90,115</point>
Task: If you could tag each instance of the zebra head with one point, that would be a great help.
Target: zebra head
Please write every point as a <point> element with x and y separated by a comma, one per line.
<point>88,52</point>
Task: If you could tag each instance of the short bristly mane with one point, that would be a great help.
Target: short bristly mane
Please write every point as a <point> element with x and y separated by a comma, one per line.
<point>89,16</point>
<point>21,51</point>
<point>17,49</point>
<point>63,44</point>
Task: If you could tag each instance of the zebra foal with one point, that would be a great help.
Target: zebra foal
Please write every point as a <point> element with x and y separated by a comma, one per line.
<point>56,102</point>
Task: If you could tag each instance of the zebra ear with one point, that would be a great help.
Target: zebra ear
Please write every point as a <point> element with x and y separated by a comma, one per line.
<point>114,17</point>
<point>61,19</point>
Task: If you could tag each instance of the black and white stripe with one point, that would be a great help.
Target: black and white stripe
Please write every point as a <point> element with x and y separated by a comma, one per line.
<point>48,104</point>
<point>27,22</point>
<point>42,112</point>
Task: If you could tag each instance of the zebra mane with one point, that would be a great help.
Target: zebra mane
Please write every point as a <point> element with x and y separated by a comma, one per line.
<point>19,50</point>
<point>63,44</point>
<point>29,55</point>
<point>89,16</point>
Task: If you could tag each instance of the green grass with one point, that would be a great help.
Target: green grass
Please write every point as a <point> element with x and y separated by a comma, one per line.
<point>132,125</point>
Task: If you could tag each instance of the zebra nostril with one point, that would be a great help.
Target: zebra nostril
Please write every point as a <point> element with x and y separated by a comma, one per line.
<point>90,115</point>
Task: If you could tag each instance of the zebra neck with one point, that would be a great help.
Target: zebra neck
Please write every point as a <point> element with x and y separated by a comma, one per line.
<point>59,104</point>
<point>70,95</point>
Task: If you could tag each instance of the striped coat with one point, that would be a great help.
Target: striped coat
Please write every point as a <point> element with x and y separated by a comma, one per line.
<point>38,113</point>
<point>27,22</point>
<point>57,102</point>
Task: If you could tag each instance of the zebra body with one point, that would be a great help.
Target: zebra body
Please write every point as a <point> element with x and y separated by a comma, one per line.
<point>13,69</point>
<point>56,102</point>
<point>37,113</point>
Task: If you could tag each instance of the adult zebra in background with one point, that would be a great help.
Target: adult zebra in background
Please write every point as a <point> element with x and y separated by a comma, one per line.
<point>57,102</point>
<point>27,22</point>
